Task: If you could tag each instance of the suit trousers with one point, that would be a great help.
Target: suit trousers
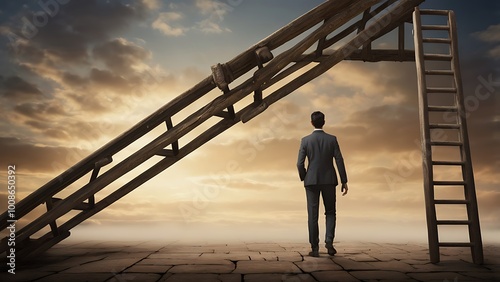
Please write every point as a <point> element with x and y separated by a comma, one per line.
<point>329,197</point>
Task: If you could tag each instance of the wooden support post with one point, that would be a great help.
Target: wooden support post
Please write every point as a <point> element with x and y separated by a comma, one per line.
<point>401,41</point>
<point>175,145</point>
<point>52,224</point>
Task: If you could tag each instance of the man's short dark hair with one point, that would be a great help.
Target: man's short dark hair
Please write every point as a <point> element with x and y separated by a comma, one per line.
<point>318,119</point>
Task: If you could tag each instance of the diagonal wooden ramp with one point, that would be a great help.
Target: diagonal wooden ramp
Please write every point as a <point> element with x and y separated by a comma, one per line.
<point>350,25</point>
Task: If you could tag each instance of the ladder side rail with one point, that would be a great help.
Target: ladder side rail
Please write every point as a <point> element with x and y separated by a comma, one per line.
<point>240,65</point>
<point>472,207</point>
<point>432,231</point>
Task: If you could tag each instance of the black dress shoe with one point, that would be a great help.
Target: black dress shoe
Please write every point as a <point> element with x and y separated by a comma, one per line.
<point>331,249</point>
<point>314,253</point>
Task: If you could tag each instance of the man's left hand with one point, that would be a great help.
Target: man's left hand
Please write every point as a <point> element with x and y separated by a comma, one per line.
<point>344,189</point>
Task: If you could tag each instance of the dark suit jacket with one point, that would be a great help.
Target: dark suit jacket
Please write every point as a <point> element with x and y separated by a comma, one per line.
<point>320,149</point>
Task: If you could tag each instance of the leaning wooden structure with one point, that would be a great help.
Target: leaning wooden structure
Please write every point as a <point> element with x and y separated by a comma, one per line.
<point>358,23</point>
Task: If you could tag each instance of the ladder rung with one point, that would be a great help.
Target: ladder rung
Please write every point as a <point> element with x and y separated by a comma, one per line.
<point>453,222</point>
<point>455,244</point>
<point>442,109</point>
<point>441,90</point>
<point>447,163</point>
<point>438,57</point>
<point>435,27</point>
<point>437,40</point>
<point>439,72</point>
<point>449,183</point>
<point>80,206</point>
<point>434,12</point>
<point>444,126</point>
<point>166,153</point>
<point>446,143</point>
<point>451,202</point>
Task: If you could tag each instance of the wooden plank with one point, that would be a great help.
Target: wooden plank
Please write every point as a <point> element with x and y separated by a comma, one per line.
<point>444,126</point>
<point>433,12</point>
<point>456,244</point>
<point>435,27</point>
<point>438,57</point>
<point>441,90</point>
<point>448,163</point>
<point>437,40</point>
<point>439,72</point>
<point>453,222</point>
<point>449,183</point>
<point>432,231</point>
<point>442,109</point>
<point>451,202</point>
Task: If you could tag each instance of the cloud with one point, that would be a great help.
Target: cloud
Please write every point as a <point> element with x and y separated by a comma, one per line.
<point>215,12</point>
<point>495,52</point>
<point>491,34</point>
<point>18,89</point>
<point>29,157</point>
<point>152,4</point>
<point>166,24</point>
<point>121,55</point>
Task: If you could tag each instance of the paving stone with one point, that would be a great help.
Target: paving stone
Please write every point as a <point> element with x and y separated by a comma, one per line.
<point>139,268</point>
<point>379,275</point>
<point>317,265</point>
<point>202,268</point>
<point>138,255</point>
<point>143,277</point>
<point>483,276</point>
<point>348,264</point>
<point>270,247</point>
<point>278,277</point>
<point>249,267</point>
<point>233,256</point>
<point>439,276</point>
<point>289,256</point>
<point>23,275</point>
<point>455,266</point>
<point>111,265</point>
<point>415,261</point>
<point>184,261</point>
<point>340,276</point>
<point>74,277</point>
<point>187,249</point>
<point>175,255</point>
<point>382,256</point>
<point>393,266</point>
<point>201,277</point>
<point>361,257</point>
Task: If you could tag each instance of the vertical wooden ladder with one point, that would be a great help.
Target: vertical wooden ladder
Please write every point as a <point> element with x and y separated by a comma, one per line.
<point>432,69</point>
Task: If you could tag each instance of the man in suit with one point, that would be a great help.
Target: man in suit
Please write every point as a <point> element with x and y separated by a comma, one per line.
<point>320,177</point>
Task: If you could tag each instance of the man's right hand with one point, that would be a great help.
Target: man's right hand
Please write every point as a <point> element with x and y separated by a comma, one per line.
<point>344,189</point>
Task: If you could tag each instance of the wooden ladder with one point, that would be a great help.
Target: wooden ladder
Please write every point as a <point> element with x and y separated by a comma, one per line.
<point>252,72</point>
<point>432,69</point>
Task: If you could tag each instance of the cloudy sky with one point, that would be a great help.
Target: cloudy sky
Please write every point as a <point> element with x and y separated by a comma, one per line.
<point>75,75</point>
